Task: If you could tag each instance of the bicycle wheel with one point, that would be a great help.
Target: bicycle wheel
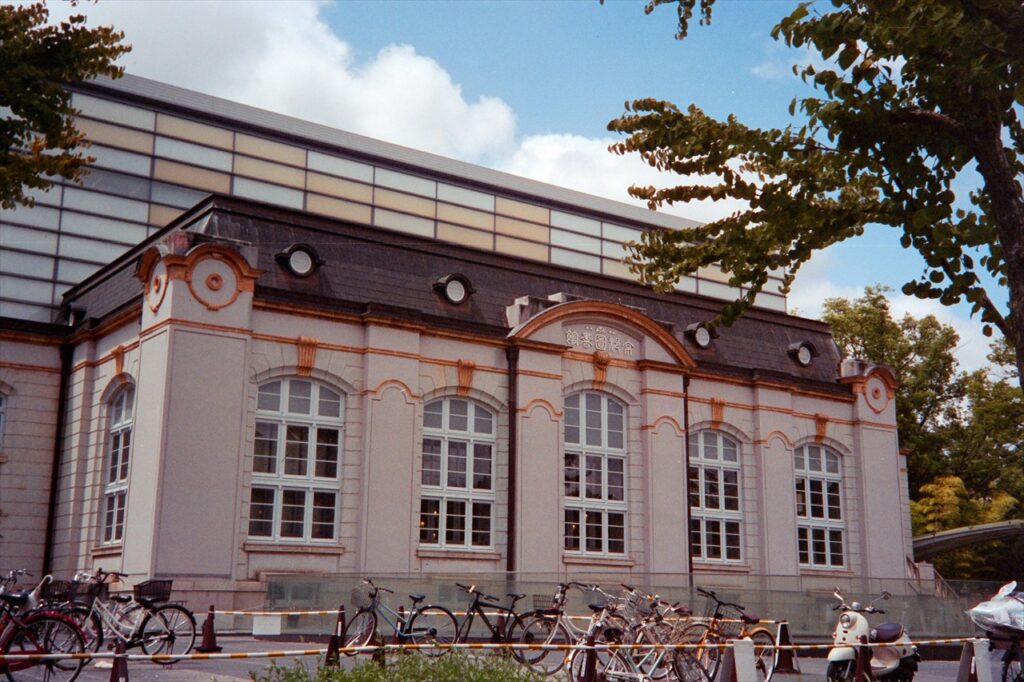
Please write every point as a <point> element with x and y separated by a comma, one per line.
<point>90,625</point>
<point>764,653</point>
<point>708,654</point>
<point>433,625</point>
<point>44,633</point>
<point>168,629</point>
<point>654,663</point>
<point>359,631</point>
<point>1012,671</point>
<point>545,630</point>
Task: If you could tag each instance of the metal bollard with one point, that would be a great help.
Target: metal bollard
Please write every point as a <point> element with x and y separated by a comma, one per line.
<point>786,662</point>
<point>209,643</point>
<point>590,663</point>
<point>119,669</point>
<point>401,625</point>
<point>378,655</point>
<point>863,659</point>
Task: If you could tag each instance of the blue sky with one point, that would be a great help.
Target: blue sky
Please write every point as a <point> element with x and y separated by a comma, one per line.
<point>525,86</point>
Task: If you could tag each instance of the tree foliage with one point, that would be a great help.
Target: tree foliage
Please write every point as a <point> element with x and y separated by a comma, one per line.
<point>962,430</point>
<point>921,353</point>
<point>37,129</point>
<point>917,93</point>
<point>947,504</point>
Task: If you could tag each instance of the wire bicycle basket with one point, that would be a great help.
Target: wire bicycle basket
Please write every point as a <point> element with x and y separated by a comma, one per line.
<point>56,591</point>
<point>85,593</point>
<point>153,590</point>
<point>730,621</point>
<point>361,597</point>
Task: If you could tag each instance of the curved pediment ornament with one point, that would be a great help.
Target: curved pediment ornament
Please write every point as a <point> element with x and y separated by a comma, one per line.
<point>877,383</point>
<point>599,326</point>
<point>215,274</point>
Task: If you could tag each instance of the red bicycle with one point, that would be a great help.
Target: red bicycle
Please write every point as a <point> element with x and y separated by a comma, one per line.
<point>28,630</point>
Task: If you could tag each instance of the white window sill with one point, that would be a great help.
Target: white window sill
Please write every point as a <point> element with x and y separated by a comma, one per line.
<point>720,567</point>
<point>444,553</point>
<point>114,549</point>
<point>594,560</point>
<point>825,570</point>
<point>283,548</point>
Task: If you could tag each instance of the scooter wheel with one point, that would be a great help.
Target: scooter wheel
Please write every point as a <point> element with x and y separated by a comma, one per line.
<point>844,671</point>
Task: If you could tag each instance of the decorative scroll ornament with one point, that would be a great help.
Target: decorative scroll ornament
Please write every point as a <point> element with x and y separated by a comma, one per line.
<point>820,427</point>
<point>307,355</point>
<point>717,412</point>
<point>601,360</point>
<point>466,369</point>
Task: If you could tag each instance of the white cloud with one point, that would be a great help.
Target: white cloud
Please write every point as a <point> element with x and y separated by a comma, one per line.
<point>286,58</point>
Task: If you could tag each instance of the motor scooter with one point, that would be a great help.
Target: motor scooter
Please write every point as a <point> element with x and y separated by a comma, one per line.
<point>896,662</point>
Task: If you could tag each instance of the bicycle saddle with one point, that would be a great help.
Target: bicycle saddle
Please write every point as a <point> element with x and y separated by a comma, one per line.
<point>122,598</point>
<point>416,598</point>
<point>15,598</point>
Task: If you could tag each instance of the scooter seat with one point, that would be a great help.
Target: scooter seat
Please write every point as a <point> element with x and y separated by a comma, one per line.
<point>750,619</point>
<point>887,633</point>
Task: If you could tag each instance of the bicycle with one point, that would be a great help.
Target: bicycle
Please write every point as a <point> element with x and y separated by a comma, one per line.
<point>726,621</point>
<point>429,624</point>
<point>141,619</point>
<point>508,626</point>
<point>26,629</point>
<point>652,660</point>
<point>551,626</point>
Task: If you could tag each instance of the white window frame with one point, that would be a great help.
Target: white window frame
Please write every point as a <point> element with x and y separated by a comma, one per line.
<point>442,491</point>
<point>577,505</point>
<point>828,473</point>
<point>714,456</point>
<point>117,465</point>
<point>280,419</point>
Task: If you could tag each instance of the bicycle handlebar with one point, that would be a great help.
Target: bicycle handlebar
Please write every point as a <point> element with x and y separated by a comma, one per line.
<point>711,595</point>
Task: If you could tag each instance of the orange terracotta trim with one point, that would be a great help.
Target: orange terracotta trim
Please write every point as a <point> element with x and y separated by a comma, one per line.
<point>664,419</point>
<point>112,355</point>
<point>580,308</point>
<point>658,391</point>
<point>191,324</point>
<point>551,410</point>
<point>131,315</point>
<point>645,365</point>
<point>774,385</point>
<point>29,368</point>
<point>539,375</point>
<point>601,360</point>
<point>717,412</point>
<point>791,412</point>
<point>776,434</point>
<point>307,355</point>
<point>820,427</point>
<point>34,339</point>
<point>465,371</point>
<point>392,382</point>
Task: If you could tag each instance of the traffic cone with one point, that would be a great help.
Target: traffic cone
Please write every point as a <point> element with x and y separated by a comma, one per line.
<point>119,669</point>
<point>209,643</point>
<point>786,661</point>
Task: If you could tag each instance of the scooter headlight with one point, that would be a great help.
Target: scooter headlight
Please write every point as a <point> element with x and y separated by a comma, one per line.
<point>845,621</point>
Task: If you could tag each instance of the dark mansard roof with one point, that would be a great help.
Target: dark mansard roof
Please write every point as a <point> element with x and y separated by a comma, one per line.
<point>371,270</point>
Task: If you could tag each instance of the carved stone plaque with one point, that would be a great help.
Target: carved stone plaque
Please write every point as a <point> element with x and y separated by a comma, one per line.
<point>590,338</point>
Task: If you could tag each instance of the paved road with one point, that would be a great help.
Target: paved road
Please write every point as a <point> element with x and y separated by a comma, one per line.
<point>813,669</point>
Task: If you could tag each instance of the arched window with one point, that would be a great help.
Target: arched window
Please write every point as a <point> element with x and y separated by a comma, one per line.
<point>716,518</point>
<point>819,507</point>
<point>594,474</point>
<point>457,476</point>
<point>296,461</point>
<point>119,452</point>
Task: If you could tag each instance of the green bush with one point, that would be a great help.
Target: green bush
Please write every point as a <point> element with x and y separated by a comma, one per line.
<point>454,667</point>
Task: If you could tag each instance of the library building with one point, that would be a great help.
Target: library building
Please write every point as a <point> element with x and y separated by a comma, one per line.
<point>249,346</point>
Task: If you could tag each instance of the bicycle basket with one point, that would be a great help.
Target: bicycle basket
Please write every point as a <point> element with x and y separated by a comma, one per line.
<point>87,593</point>
<point>731,622</point>
<point>362,597</point>
<point>153,590</point>
<point>56,591</point>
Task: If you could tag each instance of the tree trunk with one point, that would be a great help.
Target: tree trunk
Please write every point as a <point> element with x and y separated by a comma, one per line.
<point>1008,210</point>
